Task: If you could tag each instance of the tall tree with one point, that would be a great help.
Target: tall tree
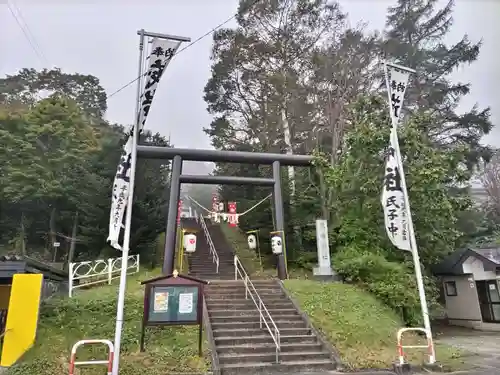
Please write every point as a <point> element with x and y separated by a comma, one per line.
<point>415,37</point>
<point>489,177</point>
<point>281,82</point>
<point>29,86</point>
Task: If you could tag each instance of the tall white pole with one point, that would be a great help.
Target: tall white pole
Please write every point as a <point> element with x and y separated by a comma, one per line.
<point>128,218</point>
<point>413,240</point>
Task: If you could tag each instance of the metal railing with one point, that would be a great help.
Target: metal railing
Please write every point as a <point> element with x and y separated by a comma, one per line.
<point>211,247</point>
<point>264,315</point>
<point>99,271</point>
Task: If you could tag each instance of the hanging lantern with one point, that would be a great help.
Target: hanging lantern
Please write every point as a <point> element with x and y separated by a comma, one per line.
<point>277,244</point>
<point>190,243</point>
<point>252,241</point>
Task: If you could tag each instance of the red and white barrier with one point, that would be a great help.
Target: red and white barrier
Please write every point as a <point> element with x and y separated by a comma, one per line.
<point>429,346</point>
<point>109,362</point>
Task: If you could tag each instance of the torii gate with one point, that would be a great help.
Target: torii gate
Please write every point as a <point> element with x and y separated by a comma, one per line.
<point>178,155</point>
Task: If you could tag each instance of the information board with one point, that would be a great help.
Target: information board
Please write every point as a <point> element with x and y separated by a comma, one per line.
<point>171,304</point>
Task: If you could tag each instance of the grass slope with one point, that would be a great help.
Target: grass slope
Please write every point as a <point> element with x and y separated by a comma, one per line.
<point>353,320</point>
<point>359,326</point>
<point>91,315</point>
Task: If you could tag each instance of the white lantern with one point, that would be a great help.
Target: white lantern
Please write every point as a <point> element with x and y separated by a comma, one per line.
<point>221,207</point>
<point>252,241</point>
<point>276,245</point>
<point>190,243</point>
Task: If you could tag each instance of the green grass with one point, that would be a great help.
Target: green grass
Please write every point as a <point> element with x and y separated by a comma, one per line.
<point>90,314</point>
<point>359,326</point>
<point>250,258</point>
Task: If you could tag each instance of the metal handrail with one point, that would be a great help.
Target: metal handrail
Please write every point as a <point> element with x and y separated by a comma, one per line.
<point>211,247</point>
<point>263,312</point>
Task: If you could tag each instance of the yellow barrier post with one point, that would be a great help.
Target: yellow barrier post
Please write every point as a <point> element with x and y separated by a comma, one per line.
<point>22,317</point>
<point>181,250</point>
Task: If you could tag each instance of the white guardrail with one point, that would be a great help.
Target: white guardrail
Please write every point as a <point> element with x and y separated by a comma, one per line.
<point>211,247</point>
<point>264,315</point>
<point>98,271</point>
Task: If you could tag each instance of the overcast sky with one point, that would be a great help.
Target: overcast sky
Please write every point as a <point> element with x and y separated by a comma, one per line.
<point>99,38</point>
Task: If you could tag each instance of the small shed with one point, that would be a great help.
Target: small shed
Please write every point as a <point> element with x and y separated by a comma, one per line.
<point>54,280</point>
<point>471,282</point>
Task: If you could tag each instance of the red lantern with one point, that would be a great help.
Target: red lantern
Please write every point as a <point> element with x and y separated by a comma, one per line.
<point>233,217</point>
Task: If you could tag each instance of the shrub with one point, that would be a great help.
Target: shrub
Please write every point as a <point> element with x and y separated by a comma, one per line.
<point>393,283</point>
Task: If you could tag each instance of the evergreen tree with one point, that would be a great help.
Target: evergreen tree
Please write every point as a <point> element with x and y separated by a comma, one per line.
<point>414,37</point>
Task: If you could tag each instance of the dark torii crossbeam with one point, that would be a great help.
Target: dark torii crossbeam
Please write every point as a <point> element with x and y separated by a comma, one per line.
<point>178,155</point>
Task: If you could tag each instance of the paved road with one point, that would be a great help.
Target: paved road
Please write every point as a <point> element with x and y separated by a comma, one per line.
<point>485,346</point>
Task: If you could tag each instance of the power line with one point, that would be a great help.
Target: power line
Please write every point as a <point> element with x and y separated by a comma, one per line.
<point>30,37</point>
<point>189,45</point>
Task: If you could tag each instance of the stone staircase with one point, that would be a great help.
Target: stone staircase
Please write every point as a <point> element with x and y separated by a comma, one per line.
<point>200,262</point>
<point>244,348</point>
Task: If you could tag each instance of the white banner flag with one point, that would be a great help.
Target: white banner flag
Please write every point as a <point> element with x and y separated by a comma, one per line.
<point>397,82</point>
<point>120,194</point>
<point>396,212</point>
<point>393,198</point>
<point>162,52</point>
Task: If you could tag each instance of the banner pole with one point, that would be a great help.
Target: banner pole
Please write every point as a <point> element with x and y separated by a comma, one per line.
<point>413,241</point>
<point>128,217</point>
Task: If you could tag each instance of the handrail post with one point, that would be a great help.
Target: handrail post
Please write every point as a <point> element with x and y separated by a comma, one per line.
<point>70,279</point>
<point>278,346</point>
<point>260,313</point>
<point>246,287</point>
<point>110,270</point>
<point>235,267</point>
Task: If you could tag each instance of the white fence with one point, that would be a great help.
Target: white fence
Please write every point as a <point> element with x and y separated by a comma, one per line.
<point>99,271</point>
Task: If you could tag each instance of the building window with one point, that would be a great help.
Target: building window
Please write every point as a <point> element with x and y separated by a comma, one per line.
<point>451,288</point>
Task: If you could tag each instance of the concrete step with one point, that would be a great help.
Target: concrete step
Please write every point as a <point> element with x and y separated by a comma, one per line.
<point>233,296</point>
<point>286,367</point>
<point>256,324</point>
<point>234,292</point>
<point>257,282</point>
<point>235,288</point>
<point>211,275</point>
<point>212,269</point>
<point>251,348</point>
<point>252,318</point>
<point>264,339</point>
<point>248,304</point>
<point>202,267</point>
<point>304,331</point>
<point>210,278</point>
<point>210,295</point>
<point>232,358</point>
<point>251,312</point>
